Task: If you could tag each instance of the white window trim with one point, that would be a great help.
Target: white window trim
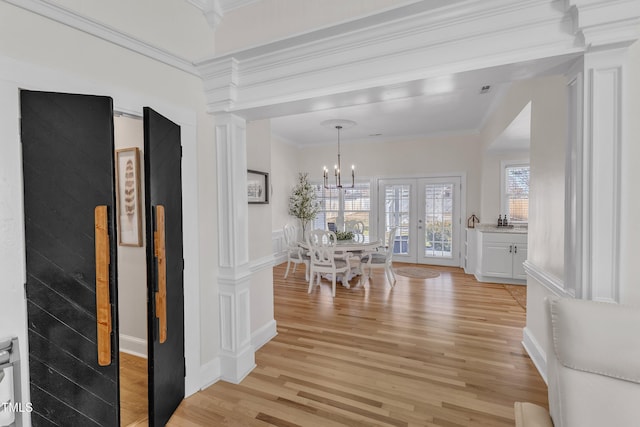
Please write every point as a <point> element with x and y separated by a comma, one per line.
<point>504,208</point>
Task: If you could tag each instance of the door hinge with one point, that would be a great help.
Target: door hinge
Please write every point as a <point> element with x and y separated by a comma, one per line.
<point>25,290</point>
<point>184,367</point>
<point>181,151</point>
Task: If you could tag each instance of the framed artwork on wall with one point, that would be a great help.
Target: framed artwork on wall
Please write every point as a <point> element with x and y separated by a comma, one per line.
<point>257,187</point>
<point>128,197</point>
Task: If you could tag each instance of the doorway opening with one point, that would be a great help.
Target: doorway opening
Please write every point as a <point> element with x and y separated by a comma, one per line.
<point>132,270</point>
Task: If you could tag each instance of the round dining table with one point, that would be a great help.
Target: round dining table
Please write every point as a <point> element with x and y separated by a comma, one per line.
<point>354,248</point>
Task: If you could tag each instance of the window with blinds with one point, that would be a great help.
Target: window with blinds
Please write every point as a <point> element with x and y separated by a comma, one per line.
<point>516,194</point>
<point>356,203</point>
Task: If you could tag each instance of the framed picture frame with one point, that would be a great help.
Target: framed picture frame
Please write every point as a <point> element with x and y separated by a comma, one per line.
<point>128,197</point>
<point>258,187</point>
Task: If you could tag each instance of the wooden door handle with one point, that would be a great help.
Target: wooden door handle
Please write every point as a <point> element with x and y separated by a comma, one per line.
<point>161,260</point>
<point>103,300</point>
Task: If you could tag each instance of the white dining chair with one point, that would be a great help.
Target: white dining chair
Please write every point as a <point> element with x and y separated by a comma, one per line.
<point>357,228</point>
<point>381,258</point>
<point>295,253</point>
<point>324,259</point>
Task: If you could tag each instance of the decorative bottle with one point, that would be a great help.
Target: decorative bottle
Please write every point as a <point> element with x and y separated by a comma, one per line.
<point>499,220</point>
<point>505,221</point>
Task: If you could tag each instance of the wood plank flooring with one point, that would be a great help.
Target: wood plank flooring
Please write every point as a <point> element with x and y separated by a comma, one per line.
<point>430,352</point>
<point>133,391</point>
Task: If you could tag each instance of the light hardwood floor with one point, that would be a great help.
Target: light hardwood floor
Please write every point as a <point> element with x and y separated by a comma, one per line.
<point>133,391</point>
<point>435,352</point>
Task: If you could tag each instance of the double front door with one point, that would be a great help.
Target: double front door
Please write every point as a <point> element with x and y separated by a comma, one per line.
<point>71,260</point>
<point>426,212</point>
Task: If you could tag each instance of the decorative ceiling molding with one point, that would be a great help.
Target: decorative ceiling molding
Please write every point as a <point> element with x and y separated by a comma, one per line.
<point>604,22</point>
<point>55,12</point>
<point>407,44</point>
<point>214,10</point>
<point>357,55</point>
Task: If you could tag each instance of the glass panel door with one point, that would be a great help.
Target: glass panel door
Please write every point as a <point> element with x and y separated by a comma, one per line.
<point>439,222</point>
<point>427,214</point>
<point>398,210</point>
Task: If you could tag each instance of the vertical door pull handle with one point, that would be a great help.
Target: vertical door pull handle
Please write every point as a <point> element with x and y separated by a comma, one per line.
<point>515,249</point>
<point>510,248</point>
<point>103,300</point>
<point>161,262</point>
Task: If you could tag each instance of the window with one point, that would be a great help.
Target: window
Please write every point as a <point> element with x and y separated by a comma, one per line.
<point>515,194</point>
<point>356,203</point>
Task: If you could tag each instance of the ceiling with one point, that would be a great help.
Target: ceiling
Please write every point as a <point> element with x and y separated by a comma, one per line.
<point>444,105</point>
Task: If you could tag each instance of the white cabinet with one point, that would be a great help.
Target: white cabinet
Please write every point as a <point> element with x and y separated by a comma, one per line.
<point>500,257</point>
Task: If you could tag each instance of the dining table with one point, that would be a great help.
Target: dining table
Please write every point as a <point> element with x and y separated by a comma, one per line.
<point>349,247</point>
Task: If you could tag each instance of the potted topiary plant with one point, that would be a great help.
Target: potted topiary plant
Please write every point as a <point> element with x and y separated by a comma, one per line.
<point>302,202</point>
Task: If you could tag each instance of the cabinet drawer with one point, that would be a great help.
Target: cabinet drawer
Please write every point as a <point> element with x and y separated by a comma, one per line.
<point>505,238</point>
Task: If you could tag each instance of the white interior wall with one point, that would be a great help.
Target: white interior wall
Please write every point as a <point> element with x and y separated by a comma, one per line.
<point>270,20</point>
<point>492,162</point>
<point>284,174</point>
<point>546,200</point>
<point>260,248</point>
<point>132,260</point>
<point>409,158</point>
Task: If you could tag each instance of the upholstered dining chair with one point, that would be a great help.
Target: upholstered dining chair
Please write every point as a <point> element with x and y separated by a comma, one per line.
<point>381,258</point>
<point>322,250</point>
<point>295,253</point>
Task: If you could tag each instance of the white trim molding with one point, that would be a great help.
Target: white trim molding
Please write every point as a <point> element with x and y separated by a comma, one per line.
<point>546,279</point>
<point>536,352</point>
<point>263,263</point>
<point>264,334</point>
<point>133,345</point>
<point>54,11</point>
<point>214,10</point>
<point>364,53</point>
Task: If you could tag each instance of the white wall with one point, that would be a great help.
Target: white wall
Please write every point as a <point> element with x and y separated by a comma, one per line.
<point>408,158</point>
<point>492,162</point>
<point>269,20</point>
<point>40,54</point>
<point>260,248</point>
<point>132,261</point>
<point>284,173</point>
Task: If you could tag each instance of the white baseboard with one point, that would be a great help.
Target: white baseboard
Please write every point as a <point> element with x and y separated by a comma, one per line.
<point>536,353</point>
<point>210,373</point>
<point>263,335</point>
<point>133,345</point>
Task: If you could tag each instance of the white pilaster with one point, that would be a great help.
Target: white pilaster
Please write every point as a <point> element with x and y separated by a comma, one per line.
<point>237,352</point>
<point>607,29</point>
<point>603,140</point>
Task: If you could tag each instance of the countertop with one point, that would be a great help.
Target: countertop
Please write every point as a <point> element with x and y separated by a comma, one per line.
<point>490,228</point>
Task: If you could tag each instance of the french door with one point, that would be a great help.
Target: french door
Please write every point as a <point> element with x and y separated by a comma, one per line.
<point>426,212</point>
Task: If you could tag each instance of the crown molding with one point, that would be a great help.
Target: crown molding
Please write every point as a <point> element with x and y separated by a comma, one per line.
<point>214,10</point>
<point>606,22</point>
<point>389,48</point>
<point>62,15</point>
<point>412,43</point>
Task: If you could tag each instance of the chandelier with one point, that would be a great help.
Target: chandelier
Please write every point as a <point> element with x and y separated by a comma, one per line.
<point>338,125</point>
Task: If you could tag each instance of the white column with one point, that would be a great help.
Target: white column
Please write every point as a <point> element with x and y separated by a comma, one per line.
<point>596,142</point>
<point>237,353</point>
<point>604,112</point>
